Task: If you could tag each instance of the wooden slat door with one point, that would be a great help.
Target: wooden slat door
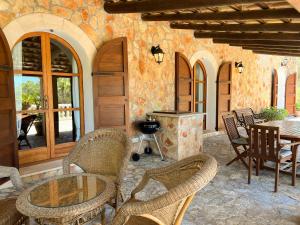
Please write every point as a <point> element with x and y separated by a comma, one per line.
<point>110,85</point>
<point>290,94</point>
<point>274,99</point>
<point>8,150</point>
<point>223,93</point>
<point>184,85</point>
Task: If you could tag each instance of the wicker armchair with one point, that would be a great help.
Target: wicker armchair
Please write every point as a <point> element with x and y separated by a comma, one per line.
<point>9,215</point>
<point>105,152</point>
<point>182,180</point>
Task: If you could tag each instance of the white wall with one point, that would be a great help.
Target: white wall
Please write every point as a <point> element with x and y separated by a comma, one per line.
<point>282,75</point>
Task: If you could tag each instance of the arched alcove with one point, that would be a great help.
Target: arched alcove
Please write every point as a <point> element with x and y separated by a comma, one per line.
<point>211,67</point>
<point>69,32</point>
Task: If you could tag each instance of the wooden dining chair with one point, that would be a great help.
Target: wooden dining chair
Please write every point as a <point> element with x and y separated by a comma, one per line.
<point>265,145</point>
<point>236,140</point>
<point>248,119</point>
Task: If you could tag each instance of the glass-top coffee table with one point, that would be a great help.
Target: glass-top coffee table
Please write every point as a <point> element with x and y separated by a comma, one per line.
<point>68,199</point>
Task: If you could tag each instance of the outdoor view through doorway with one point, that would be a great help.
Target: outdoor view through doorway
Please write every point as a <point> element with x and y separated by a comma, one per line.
<point>48,93</point>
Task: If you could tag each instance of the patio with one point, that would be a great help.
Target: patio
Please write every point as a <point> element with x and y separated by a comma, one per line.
<point>97,83</point>
<point>228,200</point>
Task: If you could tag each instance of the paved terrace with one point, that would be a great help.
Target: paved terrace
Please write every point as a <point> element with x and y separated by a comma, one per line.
<point>228,199</point>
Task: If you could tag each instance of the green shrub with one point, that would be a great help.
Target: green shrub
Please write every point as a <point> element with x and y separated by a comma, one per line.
<point>272,113</point>
<point>298,106</point>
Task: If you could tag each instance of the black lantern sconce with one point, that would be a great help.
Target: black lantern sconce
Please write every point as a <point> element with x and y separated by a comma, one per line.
<point>158,54</point>
<point>239,66</point>
<point>284,62</point>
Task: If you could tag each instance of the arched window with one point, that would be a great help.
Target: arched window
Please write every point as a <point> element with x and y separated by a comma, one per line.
<point>49,98</point>
<point>200,88</point>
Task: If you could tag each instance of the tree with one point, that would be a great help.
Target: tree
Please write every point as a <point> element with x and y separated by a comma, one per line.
<point>64,90</point>
<point>31,94</point>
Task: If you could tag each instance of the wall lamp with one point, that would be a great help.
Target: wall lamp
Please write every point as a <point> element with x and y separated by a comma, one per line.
<point>158,54</point>
<point>239,66</point>
<point>284,62</point>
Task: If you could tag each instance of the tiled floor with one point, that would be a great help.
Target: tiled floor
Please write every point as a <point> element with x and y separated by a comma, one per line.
<point>228,199</point>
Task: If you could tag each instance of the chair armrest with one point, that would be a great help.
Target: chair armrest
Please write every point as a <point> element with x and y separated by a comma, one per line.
<point>140,186</point>
<point>14,176</point>
<point>66,165</point>
<point>144,208</point>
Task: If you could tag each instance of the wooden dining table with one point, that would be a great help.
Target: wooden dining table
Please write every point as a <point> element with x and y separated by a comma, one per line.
<point>289,130</point>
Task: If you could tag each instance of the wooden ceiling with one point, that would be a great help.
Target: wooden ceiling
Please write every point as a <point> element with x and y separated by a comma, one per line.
<point>263,26</point>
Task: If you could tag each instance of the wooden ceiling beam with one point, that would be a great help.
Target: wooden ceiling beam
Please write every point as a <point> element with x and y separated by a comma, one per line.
<point>248,36</point>
<point>279,27</point>
<point>277,53</point>
<point>263,48</point>
<point>144,6</point>
<point>295,4</point>
<point>236,42</point>
<point>285,13</point>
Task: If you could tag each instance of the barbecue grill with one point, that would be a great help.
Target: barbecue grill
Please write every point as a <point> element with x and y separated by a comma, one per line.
<point>148,128</point>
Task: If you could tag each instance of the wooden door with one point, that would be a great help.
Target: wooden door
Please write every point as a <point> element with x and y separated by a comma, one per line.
<point>200,87</point>
<point>274,99</point>
<point>290,94</point>
<point>223,93</point>
<point>110,85</point>
<point>184,84</point>
<point>48,97</point>
<point>8,151</point>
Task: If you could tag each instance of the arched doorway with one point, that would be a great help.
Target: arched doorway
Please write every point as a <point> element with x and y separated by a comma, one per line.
<point>49,96</point>
<point>200,86</point>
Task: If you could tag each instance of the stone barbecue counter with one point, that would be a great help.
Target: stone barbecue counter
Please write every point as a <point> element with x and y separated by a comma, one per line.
<point>181,134</point>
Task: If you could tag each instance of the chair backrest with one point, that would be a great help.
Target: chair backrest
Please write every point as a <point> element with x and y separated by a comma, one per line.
<point>27,123</point>
<point>239,114</point>
<point>183,179</point>
<point>248,119</point>
<point>105,151</point>
<point>231,127</point>
<point>264,142</point>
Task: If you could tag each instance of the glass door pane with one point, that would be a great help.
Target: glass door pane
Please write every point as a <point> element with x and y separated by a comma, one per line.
<point>31,122</point>
<point>199,92</point>
<point>62,59</point>
<point>27,54</point>
<point>28,92</point>
<point>31,130</point>
<point>67,126</point>
<point>66,100</point>
<point>65,92</point>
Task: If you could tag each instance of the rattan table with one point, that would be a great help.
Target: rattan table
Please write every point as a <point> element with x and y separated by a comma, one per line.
<point>67,199</point>
<point>289,130</point>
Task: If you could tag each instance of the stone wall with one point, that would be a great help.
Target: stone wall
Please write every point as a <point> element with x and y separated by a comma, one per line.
<point>151,85</point>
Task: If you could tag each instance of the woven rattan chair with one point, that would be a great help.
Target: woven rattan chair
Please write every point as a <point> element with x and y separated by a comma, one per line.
<point>265,145</point>
<point>182,179</point>
<point>235,139</point>
<point>104,152</point>
<point>9,215</point>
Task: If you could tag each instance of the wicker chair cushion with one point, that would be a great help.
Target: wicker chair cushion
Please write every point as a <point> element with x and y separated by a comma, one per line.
<point>9,215</point>
<point>240,141</point>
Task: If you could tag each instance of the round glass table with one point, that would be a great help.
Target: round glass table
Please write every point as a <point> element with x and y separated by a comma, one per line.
<point>68,199</point>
